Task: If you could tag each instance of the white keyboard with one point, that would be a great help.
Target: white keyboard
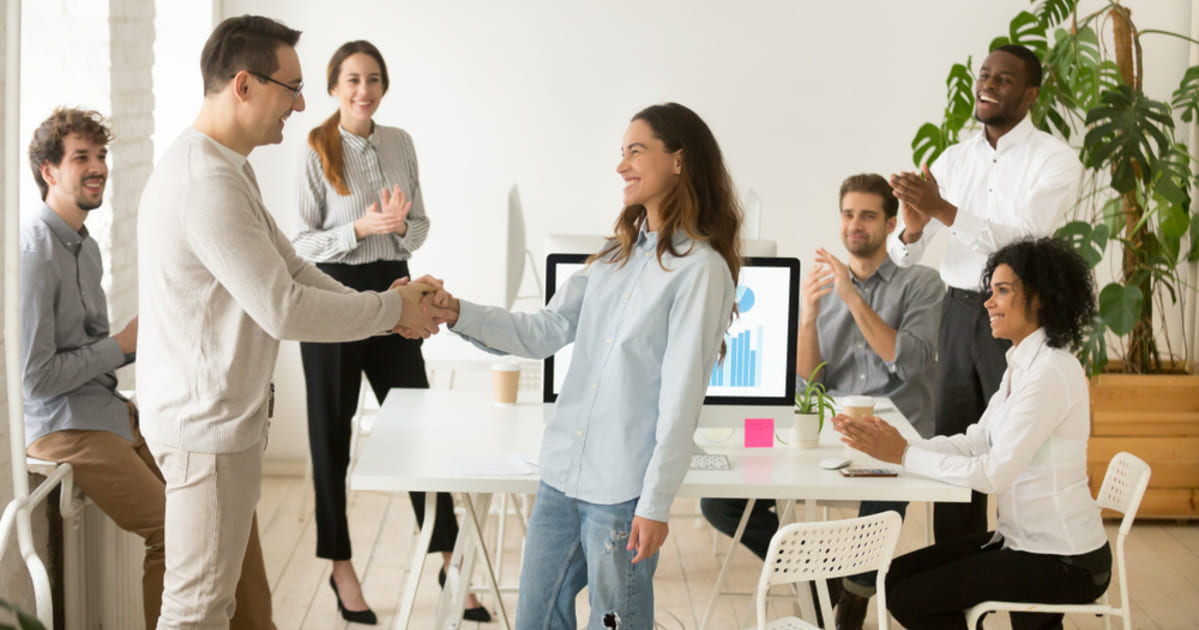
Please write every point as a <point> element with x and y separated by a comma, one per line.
<point>707,461</point>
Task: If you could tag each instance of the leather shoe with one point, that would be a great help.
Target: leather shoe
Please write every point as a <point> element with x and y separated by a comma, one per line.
<point>366,617</point>
<point>851,611</point>
<point>478,613</point>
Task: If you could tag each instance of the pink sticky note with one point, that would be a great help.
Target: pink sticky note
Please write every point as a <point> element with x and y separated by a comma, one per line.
<point>759,432</point>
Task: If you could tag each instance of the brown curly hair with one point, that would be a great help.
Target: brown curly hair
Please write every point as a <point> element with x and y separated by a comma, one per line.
<point>47,143</point>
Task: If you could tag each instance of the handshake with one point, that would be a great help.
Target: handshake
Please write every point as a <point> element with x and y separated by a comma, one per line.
<point>427,305</point>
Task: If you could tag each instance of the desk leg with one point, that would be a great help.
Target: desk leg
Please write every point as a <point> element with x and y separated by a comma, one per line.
<point>724,568</point>
<point>417,564</point>
<point>469,546</point>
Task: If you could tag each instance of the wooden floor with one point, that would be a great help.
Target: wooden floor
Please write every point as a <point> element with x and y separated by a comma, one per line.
<point>1163,563</point>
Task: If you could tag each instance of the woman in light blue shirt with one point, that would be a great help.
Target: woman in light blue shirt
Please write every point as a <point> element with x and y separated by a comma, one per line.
<point>647,317</point>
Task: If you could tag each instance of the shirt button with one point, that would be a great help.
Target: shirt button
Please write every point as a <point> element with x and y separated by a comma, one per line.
<point>608,340</point>
<point>647,254</point>
<point>624,296</point>
<point>580,433</point>
<point>861,377</point>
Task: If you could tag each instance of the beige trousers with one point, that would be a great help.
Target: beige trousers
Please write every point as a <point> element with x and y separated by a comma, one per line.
<point>210,501</point>
<point>122,479</point>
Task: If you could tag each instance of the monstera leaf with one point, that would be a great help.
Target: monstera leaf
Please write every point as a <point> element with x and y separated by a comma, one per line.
<point>1127,128</point>
<point>1053,12</point>
<point>1086,239</point>
<point>1186,97</point>
<point>1120,307</point>
<point>1026,30</point>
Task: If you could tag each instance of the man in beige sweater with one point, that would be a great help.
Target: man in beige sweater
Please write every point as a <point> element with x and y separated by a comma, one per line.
<point>220,285</point>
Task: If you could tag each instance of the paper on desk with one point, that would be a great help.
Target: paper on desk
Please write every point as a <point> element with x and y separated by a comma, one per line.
<point>498,466</point>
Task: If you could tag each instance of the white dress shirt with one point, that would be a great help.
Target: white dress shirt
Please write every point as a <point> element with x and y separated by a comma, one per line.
<point>1030,450</point>
<point>1021,188</point>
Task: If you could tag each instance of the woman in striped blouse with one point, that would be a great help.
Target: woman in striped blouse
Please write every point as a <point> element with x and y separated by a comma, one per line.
<point>362,217</point>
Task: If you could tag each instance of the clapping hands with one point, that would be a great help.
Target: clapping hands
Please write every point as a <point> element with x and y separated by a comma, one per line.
<point>427,305</point>
<point>391,217</point>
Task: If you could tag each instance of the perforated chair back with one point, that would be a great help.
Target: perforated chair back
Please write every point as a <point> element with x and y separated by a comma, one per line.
<point>816,551</point>
<point>1123,488</point>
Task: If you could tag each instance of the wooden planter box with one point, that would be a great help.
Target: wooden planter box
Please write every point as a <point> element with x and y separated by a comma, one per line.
<point>1156,418</point>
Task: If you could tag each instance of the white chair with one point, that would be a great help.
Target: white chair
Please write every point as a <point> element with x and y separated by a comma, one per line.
<point>816,551</point>
<point>1123,486</point>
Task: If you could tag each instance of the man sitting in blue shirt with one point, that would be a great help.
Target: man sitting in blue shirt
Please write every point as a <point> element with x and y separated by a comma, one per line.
<point>73,413</point>
<point>876,326</point>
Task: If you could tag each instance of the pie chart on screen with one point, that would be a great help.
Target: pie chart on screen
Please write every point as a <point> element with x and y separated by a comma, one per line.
<point>745,299</point>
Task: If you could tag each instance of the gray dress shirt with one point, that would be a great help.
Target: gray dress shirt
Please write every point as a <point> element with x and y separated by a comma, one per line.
<point>907,299</point>
<point>68,358</point>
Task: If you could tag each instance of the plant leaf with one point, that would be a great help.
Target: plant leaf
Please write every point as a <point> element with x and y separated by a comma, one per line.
<point>1126,129</point>
<point>1026,30</point>
<point>1053,12</point>
<point>1093,353</point>
<point>1120,306</point>
<point>928,144</point>
<point>1194,253</point>
<point>1086,239</point>
<point>1186,97</point>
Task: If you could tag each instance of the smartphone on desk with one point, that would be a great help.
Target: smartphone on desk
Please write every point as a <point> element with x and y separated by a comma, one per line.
<point>868,472</point>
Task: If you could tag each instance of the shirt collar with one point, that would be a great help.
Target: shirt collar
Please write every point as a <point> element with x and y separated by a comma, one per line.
<point>356,142</point>
<point>1022,356</point>
<point>1016,136</point>
<point>885,271</point>
<point>649,240</point>
<point>70,239</point>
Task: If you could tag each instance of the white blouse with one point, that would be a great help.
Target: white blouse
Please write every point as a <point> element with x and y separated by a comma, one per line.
<point>1030,450</point>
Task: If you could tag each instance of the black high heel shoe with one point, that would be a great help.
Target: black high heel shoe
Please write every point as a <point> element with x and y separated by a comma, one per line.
<point>366,617</point>
<point>478,613</point>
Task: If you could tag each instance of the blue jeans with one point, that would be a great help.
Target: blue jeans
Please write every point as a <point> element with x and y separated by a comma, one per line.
<point>572,544</point>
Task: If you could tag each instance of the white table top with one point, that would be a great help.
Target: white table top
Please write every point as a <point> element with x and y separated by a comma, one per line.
<point>436,440</point>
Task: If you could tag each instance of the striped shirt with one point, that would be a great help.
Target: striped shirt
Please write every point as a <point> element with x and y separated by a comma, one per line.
<point>385,159</point>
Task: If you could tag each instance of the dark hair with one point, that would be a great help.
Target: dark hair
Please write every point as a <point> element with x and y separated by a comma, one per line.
<point>1060,280</point>
<point>1032,63</point>
<point>872,184</point>
<point>326,139</point>
<point>702,204</point>
<point>241,43</point>
<point>47,143</point>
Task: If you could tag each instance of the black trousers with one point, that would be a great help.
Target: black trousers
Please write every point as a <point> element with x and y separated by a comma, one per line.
<point>931,588</point>
<point>333,374</point>
<point>970,366</point>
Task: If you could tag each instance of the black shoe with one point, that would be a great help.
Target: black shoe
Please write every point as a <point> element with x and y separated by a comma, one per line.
<point>366,617</point>
<point>851,611</point>
<point>477,613</point>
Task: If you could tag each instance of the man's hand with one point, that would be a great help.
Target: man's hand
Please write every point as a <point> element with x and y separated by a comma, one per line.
<point>872,436</point>
<point>646,536</point>
<point>127,338</point>
<point>415,321</point>
<point>817,284</point>
<point>921,199</point>
<point>842,280</point>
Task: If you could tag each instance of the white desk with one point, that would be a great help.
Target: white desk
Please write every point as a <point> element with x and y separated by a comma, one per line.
<point>422,438</point>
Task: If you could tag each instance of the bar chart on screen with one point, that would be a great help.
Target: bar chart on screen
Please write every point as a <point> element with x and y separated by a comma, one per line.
<point>742,367</point>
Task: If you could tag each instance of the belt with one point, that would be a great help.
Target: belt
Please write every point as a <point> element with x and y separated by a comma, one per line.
<point>966,295</point>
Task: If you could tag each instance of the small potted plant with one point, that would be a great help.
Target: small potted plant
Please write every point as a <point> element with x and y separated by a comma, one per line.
<point>811,404</point>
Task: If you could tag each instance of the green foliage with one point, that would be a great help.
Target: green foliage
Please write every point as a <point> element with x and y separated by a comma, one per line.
<point>814,398</point>
<point>1139,174</point>
<point>24,621</point>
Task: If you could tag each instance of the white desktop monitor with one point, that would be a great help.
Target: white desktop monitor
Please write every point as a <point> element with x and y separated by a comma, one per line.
<point>756,379</point>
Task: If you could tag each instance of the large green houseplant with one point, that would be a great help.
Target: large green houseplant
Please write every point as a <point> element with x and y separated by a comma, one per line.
<point>1139,176</point>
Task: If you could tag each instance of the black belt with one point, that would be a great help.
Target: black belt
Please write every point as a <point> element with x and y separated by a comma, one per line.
<point>966,295</point>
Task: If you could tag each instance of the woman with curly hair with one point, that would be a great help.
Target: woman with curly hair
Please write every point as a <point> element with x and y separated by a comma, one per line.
<point>1029,449</point>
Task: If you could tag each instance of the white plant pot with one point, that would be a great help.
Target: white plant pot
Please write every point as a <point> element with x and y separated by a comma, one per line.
<point>805,433</point>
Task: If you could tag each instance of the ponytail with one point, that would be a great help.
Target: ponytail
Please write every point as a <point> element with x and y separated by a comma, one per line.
<point>326,141</point>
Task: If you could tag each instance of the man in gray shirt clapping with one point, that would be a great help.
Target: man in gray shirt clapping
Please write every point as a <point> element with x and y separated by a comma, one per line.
<point>875,324</point>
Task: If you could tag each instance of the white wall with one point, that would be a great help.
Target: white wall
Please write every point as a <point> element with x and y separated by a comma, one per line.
<point>538,93</point>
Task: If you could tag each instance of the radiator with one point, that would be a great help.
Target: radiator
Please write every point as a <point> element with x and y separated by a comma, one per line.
<point>102,574</point>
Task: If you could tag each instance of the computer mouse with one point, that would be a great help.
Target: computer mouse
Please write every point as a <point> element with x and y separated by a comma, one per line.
<point>834,463</point>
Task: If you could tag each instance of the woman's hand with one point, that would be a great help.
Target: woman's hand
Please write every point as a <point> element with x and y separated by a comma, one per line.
<point>872,436</point>
<point>391,217</point>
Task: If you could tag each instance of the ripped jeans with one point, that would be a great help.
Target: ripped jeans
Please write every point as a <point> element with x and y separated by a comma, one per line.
<point>572,544</point>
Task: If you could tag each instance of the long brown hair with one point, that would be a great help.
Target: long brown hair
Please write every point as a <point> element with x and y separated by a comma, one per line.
<point>326,139</point>
<point>702,203</point>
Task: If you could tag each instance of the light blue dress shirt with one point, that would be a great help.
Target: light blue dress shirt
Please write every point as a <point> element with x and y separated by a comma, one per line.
<point>646,339</point>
